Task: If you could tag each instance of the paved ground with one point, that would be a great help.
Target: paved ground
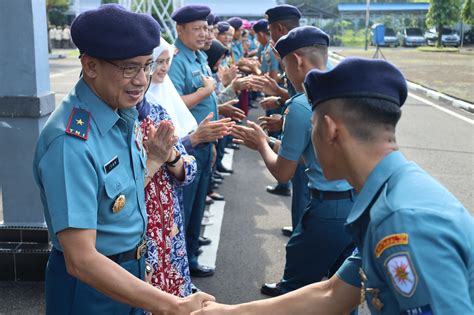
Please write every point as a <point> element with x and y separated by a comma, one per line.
<point>251,248</point>
<point>449,73</point>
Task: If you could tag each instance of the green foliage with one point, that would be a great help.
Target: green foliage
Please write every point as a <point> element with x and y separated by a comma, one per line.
<point>467,12</point>
<point>442,13</point>
<point>56,11</point>
<point>350,38</point>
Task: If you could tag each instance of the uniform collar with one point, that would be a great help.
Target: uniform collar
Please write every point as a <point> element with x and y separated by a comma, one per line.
<point>377,178</point>
<point>104,116</point>
<point>191,55</point>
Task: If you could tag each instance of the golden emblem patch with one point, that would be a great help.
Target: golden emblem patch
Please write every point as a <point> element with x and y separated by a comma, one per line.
<point>389,241</point>
<point>119,204</point>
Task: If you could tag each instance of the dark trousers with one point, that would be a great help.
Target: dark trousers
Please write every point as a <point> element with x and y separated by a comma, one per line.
<point>300,196</point>
<point>316,243</point>
<point>68,295</point>
<point>194,201</point>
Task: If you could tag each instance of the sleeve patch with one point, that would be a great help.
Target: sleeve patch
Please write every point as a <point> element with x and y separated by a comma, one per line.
<point>420,310</point>
<point>390,241</point>
<point>402,273</point>
<point>79,123</point>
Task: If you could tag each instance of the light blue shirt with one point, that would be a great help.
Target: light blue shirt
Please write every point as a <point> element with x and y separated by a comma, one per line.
<point>296,143</point>
<point>415,242</point>
<point>237,50</point>
<point>186,73</point>
<point>269,61</point>
<point>77,182</point>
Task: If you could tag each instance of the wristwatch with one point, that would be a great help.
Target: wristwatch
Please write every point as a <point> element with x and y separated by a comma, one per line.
<point>271,142</point>
<point>175,160</point>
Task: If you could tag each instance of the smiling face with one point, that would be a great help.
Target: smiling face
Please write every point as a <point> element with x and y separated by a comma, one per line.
<point>163,66</point>
<point>108,82</point>
<point>193,34</point>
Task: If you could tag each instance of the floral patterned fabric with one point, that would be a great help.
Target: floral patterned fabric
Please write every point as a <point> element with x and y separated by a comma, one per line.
<point>165,231</point>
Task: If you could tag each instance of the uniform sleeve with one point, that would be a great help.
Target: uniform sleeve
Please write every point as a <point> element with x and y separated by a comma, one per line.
<point>70,184</point>
<point>423,256</point>
<point>296,135</point>
<point>189,164</point>
<point>349,270</point>
<point>274,65</point>
<point>177,75</point>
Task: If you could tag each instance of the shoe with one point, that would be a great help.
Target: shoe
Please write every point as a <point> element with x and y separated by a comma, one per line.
<point>203,241</point>
<point>287,230</point>
<point>194,289</point>
<point>198,252</point>
<point>206,221</point>
<point>208,214</point>
<point>201,271</point>
<point>216,174</point>
<point>214,186</point>
<point>279,191</point>
<point>222,169</point>
<point>209,201</point>
<point>234,146</point>
<point>217,181</point>
<point>216,196</point>
<point>271,289</point>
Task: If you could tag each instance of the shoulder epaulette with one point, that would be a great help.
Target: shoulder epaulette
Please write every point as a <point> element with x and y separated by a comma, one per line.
<point>79,123</point>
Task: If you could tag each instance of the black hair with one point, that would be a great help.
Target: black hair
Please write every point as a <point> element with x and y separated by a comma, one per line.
<point>365,118</point>
<point>290,23</point>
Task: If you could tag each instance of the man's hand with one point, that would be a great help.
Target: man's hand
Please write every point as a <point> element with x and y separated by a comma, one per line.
<point>211,130</point>
<point>229,110</point>
<point>213,308</point>
<point>160,142</point>
<point>270,102</point>
<point>228,74</point>
<point>273,123</point>
<point>252,136</point>
<point>271,86</point>
<point>194,302</point>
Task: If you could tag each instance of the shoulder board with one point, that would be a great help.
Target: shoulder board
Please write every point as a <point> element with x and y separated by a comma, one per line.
<point>79,123</point>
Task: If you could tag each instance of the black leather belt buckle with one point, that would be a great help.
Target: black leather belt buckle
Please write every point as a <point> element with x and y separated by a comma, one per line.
<point>141,250</point>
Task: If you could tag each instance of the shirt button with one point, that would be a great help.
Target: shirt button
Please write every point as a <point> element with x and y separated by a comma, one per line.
<point>118,186</point>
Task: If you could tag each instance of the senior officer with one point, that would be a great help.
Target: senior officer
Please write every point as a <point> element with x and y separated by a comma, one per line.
<point>410,230</point>
<point>319,237</point>
<point>89,166</point>
<point>193,80</point>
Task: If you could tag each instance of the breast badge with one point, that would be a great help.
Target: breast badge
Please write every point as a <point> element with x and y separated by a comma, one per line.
<point>119,204</point>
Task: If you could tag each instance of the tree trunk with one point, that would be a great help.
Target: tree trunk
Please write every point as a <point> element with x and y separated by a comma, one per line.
<point>439,44</point>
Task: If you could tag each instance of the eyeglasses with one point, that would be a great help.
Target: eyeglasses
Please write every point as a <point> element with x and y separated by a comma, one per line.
<point>131,71</point>
<point>160,62</point>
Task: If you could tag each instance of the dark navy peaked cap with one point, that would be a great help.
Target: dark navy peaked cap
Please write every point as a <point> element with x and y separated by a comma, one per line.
<point>357,78</point>
<point>300,37</point>
<point>282,12</point>
<point>191,13</point>
<point>216,20</point>
<point>112,32</point>
<point>210,19</point>
<point>235,22</point>
<point>223,27</point>
<point>260,26</point>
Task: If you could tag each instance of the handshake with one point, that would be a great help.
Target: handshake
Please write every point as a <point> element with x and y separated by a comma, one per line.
<point>201,303</point>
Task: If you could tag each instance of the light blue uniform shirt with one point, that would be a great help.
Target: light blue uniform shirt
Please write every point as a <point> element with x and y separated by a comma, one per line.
<point>186,73</point>
<point>79,185</point>
<point>237,50</point>
<point>296,143</point>
<point>415,241</point>
<point>269,61</point>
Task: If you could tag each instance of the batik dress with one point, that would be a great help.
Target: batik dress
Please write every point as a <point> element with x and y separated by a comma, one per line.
<point>166,251</point>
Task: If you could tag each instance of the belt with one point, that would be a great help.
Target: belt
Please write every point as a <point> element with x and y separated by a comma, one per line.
<point>330,195</point>
<point>133,254</point>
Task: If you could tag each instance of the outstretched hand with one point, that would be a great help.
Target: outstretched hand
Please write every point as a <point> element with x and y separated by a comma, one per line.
<point>160,141</point>
<point>213,308</point>
<point>229,110</point>
<point>195,302</point>
<point>252,135</point>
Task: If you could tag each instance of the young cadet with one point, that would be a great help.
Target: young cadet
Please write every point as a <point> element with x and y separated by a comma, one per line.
<point>193,80</point>
<point>90,165</point>
<point>409,229</point>
<point>319,237</point>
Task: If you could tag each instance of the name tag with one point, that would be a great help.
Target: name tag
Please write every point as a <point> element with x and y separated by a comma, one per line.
<point>196,73</point>
<point>109,166</point>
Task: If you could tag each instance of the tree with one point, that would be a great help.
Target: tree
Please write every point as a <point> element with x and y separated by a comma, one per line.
<point>55,13</point>
<point>467,13</point>
<point>442,13</point>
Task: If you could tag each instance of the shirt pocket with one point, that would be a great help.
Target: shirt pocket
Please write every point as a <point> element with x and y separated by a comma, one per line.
<point>196,79</point>
<point>116,184</point>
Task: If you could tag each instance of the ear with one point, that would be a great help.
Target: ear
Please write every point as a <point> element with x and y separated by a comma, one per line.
<point>299,60</point>
<point>330,129</point>
<point>89,66</point>
<point>179,29</point>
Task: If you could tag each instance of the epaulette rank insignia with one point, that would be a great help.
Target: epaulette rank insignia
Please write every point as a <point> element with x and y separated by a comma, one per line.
<point>78,124</point>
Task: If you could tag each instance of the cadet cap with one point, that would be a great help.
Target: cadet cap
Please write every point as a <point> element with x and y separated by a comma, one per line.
<point>357,78</point>
<point>191,13</point>
<point>235,22</point>
<point>260,26</point>
<point>111,32</point>
<point>282,12</point>
<point>223,27</point>
<point>303,36</point>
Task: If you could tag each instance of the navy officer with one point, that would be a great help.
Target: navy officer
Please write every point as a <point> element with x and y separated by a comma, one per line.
<point>415,239</point>
<point>193,80</point>
<point>319,237</point>
<point>90,166</point>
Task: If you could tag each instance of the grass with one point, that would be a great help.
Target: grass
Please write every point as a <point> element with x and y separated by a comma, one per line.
<point>438,49</point>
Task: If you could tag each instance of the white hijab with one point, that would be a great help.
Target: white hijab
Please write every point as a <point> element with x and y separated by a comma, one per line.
<point>166,95</point>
